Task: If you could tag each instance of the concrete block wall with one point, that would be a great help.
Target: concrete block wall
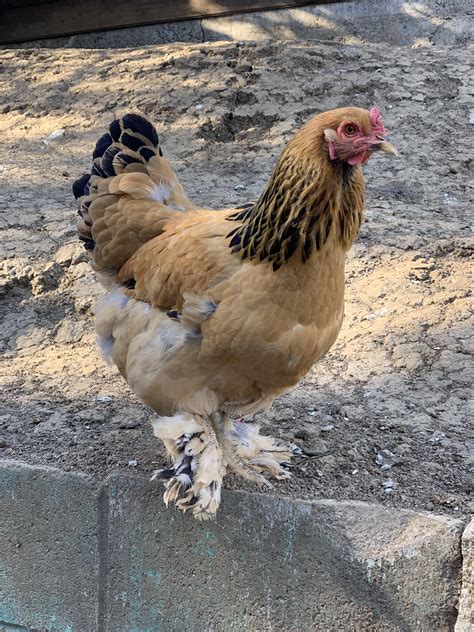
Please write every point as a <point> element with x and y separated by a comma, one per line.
<point>79,555</point>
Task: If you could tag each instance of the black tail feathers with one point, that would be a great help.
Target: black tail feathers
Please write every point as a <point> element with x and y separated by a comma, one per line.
<point>130,139</point>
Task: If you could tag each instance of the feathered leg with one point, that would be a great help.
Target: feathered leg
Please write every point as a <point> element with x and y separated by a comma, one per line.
<point>195,479</point>
<point>252,455</point>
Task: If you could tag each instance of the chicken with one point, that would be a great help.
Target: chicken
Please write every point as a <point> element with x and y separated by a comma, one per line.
<point>211,314</point>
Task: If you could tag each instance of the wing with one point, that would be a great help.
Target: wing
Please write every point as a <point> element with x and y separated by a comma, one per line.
<point>190,257</point>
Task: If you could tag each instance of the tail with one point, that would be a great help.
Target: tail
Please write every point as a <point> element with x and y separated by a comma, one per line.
<point>128,196</point>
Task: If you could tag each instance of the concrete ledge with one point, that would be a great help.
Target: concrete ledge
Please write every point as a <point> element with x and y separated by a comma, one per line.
<point>80,556</point>
<point>465,622</point>
<point>49,549</point>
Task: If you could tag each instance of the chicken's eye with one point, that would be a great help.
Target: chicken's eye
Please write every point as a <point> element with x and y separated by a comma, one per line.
<point>350,130</point>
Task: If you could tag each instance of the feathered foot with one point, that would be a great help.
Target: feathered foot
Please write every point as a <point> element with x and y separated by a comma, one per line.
<point>254,456</point>
<point>194,481</point>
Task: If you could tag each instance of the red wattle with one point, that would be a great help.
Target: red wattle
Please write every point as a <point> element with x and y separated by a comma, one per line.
<point>359,159</point>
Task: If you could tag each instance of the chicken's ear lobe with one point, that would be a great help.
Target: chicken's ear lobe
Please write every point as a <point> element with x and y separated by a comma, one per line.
<point>330,135</point>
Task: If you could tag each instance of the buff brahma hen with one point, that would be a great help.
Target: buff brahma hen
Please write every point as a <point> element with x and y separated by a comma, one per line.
<point>212,314</point>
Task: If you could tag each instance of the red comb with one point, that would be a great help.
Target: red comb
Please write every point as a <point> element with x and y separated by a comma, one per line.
<point>377,122</point>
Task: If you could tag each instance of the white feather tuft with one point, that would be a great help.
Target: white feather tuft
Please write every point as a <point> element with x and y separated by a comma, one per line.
<point>160,192</point>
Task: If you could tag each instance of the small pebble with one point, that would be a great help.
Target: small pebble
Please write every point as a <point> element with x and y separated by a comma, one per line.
<point>129,424</point>
<point>385,459</point>
<point>239,187</point>
<point>302,434</point>
<point>327,428</point>
<point>58,133</point>
<point>133,463</point>
<point>446,500</point>
<point>317,449</point>
<point>103,398</point>
<point>372,315</point>
<point>437,437</point>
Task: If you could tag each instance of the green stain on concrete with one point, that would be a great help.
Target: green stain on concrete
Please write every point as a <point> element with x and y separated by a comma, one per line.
<point>154,575</point>
<point>205,545</point>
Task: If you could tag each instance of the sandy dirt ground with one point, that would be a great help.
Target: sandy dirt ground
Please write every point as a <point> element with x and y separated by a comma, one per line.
<point>385,417</point>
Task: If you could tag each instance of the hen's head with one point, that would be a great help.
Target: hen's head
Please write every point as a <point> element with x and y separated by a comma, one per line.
<point>351,135</point>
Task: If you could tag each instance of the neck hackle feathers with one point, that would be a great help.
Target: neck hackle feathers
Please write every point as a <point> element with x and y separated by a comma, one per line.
<point>307,201</point>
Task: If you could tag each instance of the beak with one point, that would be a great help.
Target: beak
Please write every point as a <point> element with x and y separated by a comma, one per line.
<point>385,146</point>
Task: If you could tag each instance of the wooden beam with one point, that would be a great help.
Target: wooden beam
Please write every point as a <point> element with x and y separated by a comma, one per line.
<point>23,20</point>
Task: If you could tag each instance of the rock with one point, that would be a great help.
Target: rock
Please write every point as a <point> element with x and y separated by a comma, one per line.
<point>130,424</point>
<point>386,459</point>
<point>69,253</point>
<point>376,314</point>
<point>70,331</point>
<point>302,434</point>
<point>128,418</point>
<point>58,133</point>
<point>407,356</point>
<point>446,500</point>
<point>83,304</point>
<point>404,449</point>
<point>318,448</point>
<point>55,422</point>
<point>327,428</point>
<point>437,437</point>
<point>91,415</point>
<point>388,485</point>
<point>103,398</point>
<point>32,338</point>
<point>328,462</point>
